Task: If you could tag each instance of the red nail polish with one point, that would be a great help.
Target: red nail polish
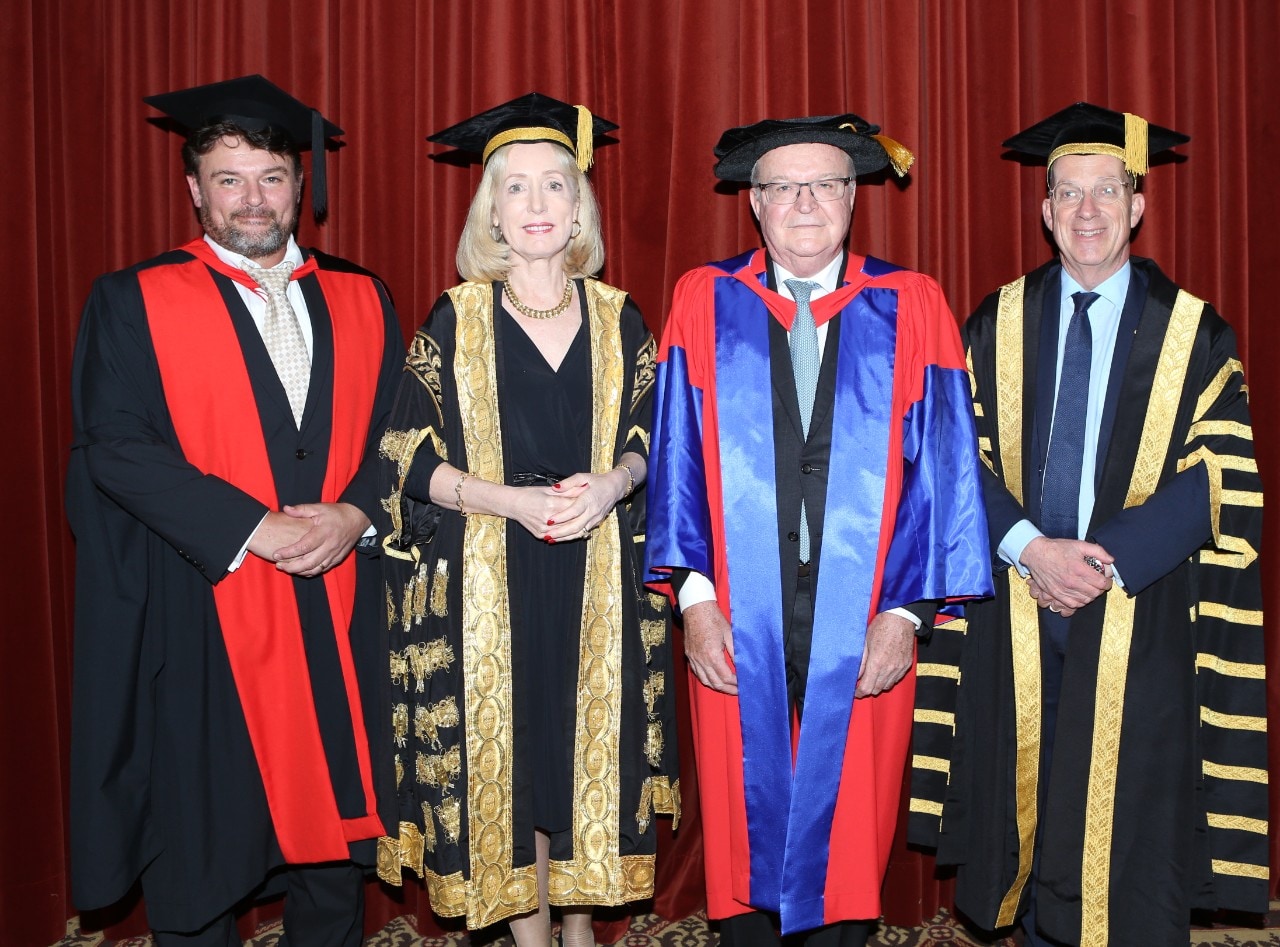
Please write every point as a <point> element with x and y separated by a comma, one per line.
<point>551,522</point>
<point>547,538</point>
<point>555,486</point>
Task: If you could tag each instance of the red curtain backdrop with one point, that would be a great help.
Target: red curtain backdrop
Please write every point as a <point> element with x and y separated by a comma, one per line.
<point>92,186</point>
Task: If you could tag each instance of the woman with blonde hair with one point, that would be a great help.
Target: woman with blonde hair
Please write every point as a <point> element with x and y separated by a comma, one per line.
<point>529,666</point>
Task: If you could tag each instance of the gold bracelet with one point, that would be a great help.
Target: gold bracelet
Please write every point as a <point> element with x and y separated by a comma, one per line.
<point>631,479</point>
<point>457,489</point>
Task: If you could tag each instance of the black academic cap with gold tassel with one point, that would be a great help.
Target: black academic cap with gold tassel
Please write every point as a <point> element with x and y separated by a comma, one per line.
<point>740,148</point>
<point>531,117</point>
<point>1085,129</point>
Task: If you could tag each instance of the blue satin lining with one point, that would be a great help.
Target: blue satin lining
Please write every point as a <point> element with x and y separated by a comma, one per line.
<point>744,402</point>
<point>679,522</point>
<point>842,601</point>
<point>939,544</point>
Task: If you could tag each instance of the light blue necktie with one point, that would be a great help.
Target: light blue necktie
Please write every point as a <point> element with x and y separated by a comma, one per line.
<point>804,366</point>
<point>1060,494</point>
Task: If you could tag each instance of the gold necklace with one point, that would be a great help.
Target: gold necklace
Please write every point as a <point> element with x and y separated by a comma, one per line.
<point>540,313</point>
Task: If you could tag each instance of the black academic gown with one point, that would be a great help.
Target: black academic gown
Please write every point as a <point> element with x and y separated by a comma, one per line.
<point>1155,801</point>
<point>165,785</point>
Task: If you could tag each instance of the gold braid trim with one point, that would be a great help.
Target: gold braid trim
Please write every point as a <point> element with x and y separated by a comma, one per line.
<point>1216,718</point>
<point>926,807</point>
<point>1009,383</point>
<point>1248,774</point>
<point>1117,626</point>
<point>1240,870</point>
<point>935,763</point>
<point>594,874</point>
<point>1218,820</point>
<point>496,889</point>
<point>938,670</point>
<point>1024,628</point>
<point>940,717</point>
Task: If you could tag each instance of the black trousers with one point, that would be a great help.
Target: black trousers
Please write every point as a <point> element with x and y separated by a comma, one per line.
<point>323,907</point>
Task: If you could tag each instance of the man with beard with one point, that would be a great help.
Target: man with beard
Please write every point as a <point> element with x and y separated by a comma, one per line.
<point>227,395</point>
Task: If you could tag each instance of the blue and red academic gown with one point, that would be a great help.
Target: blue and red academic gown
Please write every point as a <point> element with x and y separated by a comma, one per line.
<point>801,823</point>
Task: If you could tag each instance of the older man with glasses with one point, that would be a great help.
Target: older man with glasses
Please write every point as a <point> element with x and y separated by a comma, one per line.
<point>813,492</point>
<point>1111,728</point>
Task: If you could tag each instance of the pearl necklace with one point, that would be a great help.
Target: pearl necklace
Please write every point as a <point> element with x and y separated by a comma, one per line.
<point>540,313</point>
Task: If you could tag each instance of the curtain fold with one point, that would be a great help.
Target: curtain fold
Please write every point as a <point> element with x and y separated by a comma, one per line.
<point>92,185</point>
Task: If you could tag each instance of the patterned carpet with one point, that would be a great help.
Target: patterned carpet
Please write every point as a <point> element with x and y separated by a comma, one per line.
<point>652,931</point>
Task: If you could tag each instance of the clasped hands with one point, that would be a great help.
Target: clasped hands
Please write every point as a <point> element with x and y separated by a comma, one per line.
<point>310,538</point>
<point>1062,579</point>
<point>708,644</point>
<point>569,509</point>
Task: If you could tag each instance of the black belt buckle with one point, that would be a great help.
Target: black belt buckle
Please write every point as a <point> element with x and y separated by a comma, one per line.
<point>803,570</point>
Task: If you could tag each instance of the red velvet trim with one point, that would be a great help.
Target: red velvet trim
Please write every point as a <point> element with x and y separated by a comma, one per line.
<point>211,401</point>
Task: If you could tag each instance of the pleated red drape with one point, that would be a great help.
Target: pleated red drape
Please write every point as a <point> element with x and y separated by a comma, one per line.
<point>91,186</point>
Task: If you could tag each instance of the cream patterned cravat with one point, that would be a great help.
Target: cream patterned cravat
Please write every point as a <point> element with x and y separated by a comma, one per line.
<point>283,336</point>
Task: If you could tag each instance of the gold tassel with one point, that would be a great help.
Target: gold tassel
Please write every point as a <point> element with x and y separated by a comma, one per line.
<point>1135,143</point>
<point>899,157</point>
<point>585,154</point>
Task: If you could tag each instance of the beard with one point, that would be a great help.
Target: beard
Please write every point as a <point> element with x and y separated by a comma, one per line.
<point>251,244</point>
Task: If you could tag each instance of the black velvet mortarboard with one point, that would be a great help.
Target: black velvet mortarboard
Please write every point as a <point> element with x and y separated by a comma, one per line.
<point>531,117</point>
<point>1084,129</point>
<point>740,148</point>
<point>254,104</point>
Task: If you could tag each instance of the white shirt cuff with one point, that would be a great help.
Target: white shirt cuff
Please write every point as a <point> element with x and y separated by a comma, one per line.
<point>235,563</point>
<point>697,588</point>
<point>1015,541</point>
<point>908,615</point>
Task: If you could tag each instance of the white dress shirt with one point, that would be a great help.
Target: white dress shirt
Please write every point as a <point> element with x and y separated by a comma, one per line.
<point>698,587</point>
<point>1104,323</point>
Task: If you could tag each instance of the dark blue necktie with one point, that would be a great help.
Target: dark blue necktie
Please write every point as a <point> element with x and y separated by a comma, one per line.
<point>1060,497</point>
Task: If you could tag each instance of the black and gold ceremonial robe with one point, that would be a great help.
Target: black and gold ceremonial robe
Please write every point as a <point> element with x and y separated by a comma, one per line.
<point>530,681</point>
<point>1156,799</point>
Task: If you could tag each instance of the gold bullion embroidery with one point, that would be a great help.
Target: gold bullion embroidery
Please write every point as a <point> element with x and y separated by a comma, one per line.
<point>406,605</point>
<point>428,828</point>
<point>439,769</point>
<point>666,799</point>
<point>646,368</point>
<point>425,658</point>
<point>420,594</point>
<point>424,362</point>
<point>400,723</point>
<point>653,632</point>
<point>399,771</point>
<point>653,744</point>
<point>391,607</point>
<point>399,669</point>
<point>644,811</point>
<point>449,812</point>
<point>439,586</point>
<point>427,721</point>
<point>654,688</point>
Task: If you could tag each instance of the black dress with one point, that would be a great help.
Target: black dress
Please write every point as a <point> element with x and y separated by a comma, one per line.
<point>530,681</point>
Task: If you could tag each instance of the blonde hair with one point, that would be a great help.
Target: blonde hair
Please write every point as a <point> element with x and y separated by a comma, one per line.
<point>483,259</point>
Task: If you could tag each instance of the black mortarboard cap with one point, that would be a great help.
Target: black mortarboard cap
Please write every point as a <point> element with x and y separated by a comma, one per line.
<point>740,148</point>
<point>531,117</point>
<point>1084,129</point>
<point>254,103</point>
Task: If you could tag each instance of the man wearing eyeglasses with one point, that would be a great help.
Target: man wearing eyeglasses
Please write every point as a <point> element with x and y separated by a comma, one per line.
<point>1110,772</point>
<point>814,491</point>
